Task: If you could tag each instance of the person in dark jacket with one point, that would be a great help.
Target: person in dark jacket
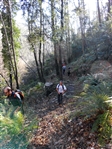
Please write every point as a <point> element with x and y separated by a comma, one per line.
<point>69,71</point>
<point>14,100</point>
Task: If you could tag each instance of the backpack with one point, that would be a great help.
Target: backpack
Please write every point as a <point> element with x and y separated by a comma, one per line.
<point>21,94</point>
<point>62,86</point>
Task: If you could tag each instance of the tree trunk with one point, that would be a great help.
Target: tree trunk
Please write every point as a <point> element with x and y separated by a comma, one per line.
<point>12,46</point>
<point>60,44</point>
<point>98,9</point>
<point>82,24</point>
<point>53,37</point>
<point>43,45</point>
<point>10,75</point>
<point>68,45</point>
<point>8,30</point>
<point>56,61</point>
<point>30,29</point>
<point>36,61</point>
<point>108,10</point>
<point>40,44</point>
<point>5,36</point>
<point>67,27</point>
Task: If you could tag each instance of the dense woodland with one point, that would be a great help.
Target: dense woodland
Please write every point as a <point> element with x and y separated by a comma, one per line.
<point>36,38</point>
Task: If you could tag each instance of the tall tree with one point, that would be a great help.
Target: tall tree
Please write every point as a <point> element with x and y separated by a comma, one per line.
<point>82,22</point>
<point>61,40</point>
<point>40,42</point>
<point>9,45</point>
<point>53,35</point>
<point>34,15</point>
<point>43,58</point>
<point>67,30</point>
<point>99,14</point>
<point>109,4</point>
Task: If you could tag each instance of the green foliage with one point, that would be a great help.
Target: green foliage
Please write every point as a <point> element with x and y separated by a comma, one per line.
<point>33,91</point>
<point>99,39</point>
<point>49,64</point>
<point>10,44</point>
<point>32,38</point>
<point>2,84</point>
<point>103,127</point>
<point>16,35</point>
<point>76,47</point>
<point>95,97</point>
<point>7,55</point>
<point>16,131</point>
<point>40,86</point>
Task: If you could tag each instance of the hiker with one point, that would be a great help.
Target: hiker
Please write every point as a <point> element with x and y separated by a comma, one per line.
<point>61,89</point>
<point>63,68</point>
<point>69,71</point>
<point>14,100</point>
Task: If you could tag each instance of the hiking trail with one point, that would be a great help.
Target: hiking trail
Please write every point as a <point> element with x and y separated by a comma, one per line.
<point>56,129</point>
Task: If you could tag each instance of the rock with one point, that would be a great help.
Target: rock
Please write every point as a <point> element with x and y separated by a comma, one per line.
<point>48,84</point>
<point>49,87</point>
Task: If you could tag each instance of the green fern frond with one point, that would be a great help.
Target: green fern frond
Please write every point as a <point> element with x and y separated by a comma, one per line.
<point>94,102</point>
<point>13,131</point>
<point>103,127</point>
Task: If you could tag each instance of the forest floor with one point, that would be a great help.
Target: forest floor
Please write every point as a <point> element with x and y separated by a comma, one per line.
<point>59,127</point>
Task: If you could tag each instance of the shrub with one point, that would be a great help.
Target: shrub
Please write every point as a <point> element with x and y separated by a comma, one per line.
<point>14,132</point>
<point>95,104</point>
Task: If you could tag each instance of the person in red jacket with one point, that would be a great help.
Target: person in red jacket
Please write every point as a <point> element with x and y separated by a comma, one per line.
<point>63,69</point>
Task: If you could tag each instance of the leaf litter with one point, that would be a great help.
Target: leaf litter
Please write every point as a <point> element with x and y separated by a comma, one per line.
<point>58,131</point>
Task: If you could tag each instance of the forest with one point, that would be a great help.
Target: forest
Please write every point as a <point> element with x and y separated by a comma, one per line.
<point>38,38</point>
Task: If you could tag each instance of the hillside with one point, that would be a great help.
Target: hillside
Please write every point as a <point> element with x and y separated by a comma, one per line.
<point>39,41</point>
<point>67,126</point>
<point>79,123</point>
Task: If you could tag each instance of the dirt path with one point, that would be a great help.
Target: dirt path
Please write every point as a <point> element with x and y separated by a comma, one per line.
<point>57,130</point>
<point>52,120</point>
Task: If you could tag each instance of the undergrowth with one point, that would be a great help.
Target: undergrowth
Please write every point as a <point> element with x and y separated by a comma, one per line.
<point>95,103</point>
<point>15,131</point>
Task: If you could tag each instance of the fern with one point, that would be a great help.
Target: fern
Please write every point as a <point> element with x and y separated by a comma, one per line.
<point>95,103</point>
<point>103,127</point>
<point>14,133</point>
